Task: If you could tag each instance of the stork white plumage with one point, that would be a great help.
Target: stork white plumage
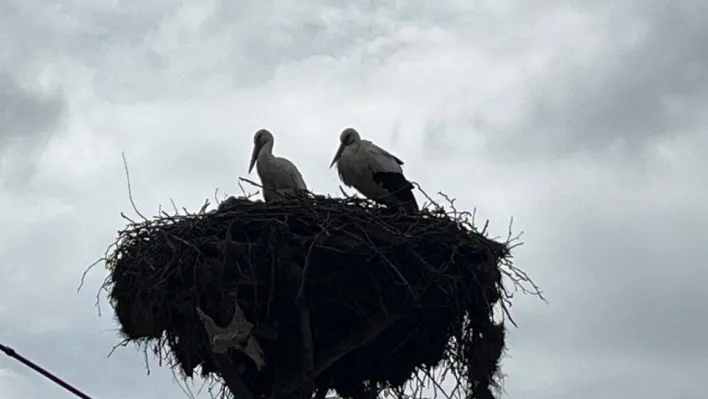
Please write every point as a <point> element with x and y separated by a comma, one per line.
<point>373,171</point>
<point>280,178</point>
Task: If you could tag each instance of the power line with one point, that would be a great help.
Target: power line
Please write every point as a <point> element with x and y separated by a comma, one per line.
<point>11,352</point>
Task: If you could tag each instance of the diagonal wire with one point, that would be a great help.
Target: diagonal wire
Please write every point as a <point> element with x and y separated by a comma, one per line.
<point>11,352</point>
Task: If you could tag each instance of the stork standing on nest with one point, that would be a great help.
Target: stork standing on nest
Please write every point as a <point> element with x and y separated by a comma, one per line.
<point>280,177</point>
<point>373,171</point>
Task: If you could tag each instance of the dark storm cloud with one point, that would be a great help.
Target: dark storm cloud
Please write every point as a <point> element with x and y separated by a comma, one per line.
<point>649,79</point>
<point>27,121</point>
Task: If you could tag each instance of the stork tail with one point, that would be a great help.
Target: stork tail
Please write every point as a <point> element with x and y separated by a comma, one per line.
<point>399,187</point>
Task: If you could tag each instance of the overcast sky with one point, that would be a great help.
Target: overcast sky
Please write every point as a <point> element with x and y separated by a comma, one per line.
<point>585,123</point>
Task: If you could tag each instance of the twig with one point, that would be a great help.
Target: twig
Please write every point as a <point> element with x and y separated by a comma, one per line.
<point>251,182</point>
<point>124,342</point>
<point>83,275</point>
<point>204,207</point>
<point>130,190</point>
<point>437,206</point>
<point>344,193</point>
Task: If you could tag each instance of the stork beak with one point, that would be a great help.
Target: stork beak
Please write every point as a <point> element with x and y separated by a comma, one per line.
<point>337,155</point>
<point>254,156</point>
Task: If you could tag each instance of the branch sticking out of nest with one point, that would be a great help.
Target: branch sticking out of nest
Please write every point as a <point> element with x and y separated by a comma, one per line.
<point>339,293</point>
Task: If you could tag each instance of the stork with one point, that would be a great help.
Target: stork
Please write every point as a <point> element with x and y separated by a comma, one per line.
<point>372,171</point>
<point>279,177</point>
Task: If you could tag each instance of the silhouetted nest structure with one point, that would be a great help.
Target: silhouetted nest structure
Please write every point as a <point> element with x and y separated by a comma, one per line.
<point>295,298</point>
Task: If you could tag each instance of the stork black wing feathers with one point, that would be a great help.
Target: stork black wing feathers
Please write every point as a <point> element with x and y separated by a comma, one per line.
<point>400,188</point>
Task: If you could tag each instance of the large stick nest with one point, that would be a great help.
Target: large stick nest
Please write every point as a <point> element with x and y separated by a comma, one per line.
<point>354,296</point>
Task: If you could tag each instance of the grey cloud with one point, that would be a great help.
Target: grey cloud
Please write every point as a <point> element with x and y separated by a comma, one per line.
<point>440,138</point>
<point>35,35</point>
<point>26,115</point>
<point>284,32</point>
<point>648,78</point>
<point>630,93</point>
<point>242,45</point>
<point>653,306</point>
<point>87,33</point>
<point>27,122</point>
<point>624,283</point>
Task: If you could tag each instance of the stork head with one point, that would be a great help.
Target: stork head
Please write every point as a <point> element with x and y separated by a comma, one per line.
<point>348,137</point>
<point>262,138</point>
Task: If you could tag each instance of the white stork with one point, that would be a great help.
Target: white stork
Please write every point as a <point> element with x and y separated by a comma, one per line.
<point>372,171</point>
<point>280,177</point>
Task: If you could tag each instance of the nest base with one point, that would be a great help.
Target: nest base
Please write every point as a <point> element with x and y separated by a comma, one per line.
<point>314,295</point>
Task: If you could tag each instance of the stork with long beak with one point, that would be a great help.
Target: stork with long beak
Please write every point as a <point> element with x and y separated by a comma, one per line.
<point>280,178</point>
<point>373,171</point>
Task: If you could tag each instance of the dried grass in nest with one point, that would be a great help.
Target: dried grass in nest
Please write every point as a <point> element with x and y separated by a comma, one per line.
<point>342,295</point>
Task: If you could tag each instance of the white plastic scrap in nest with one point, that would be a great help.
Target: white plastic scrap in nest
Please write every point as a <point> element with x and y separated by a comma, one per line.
<point>233,336</point>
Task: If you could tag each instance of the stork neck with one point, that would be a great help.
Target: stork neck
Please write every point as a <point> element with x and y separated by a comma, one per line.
<point>266,150</point>
<point>355,145</point>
